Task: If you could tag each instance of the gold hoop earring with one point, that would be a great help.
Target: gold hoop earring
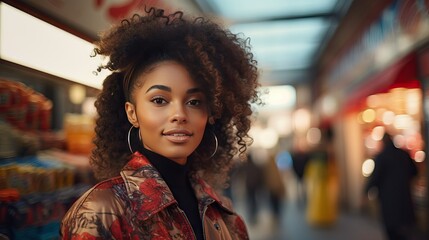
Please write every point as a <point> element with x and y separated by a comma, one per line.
<point>205,142</point>
<point>129,138</point>
<point>216,144</point>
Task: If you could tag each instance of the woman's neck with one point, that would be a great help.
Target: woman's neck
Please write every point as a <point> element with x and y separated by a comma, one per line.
<point>172,172</point>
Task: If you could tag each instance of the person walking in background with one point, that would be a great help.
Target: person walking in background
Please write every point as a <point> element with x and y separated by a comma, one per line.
<point>300,159</point>
<point>321,179</point>
<point>275,187</point>
<point>255,185</point>
<point>171,115</point>
<point>392,175</point>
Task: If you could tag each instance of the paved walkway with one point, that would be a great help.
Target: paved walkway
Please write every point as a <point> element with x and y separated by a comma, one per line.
<point>292,223</point>
<point>293,226</point>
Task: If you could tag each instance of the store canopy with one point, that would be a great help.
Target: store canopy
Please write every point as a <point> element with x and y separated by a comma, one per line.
<point>401,74</point>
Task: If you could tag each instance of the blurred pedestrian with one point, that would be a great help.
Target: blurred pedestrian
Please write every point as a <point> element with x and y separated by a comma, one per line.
<point>275,186</point>
<point>321,183</point>
<point>255,185</point>
<point>392,175</point>
<point>299,163</point>
<point>321,180</point>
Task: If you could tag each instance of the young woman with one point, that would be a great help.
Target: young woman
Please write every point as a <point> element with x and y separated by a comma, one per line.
<point>172,114</point>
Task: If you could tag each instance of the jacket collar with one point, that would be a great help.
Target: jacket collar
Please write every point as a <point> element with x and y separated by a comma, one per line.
<point>149,193</point>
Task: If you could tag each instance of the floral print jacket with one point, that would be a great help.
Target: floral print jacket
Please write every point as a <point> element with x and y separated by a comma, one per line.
<point>139,205</point>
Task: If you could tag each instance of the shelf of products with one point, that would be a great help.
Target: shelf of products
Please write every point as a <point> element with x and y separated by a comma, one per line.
<point>42,171</point>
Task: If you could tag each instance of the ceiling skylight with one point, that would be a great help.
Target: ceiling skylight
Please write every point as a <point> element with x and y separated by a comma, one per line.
<point>285,44</point>
<point>244,10</point>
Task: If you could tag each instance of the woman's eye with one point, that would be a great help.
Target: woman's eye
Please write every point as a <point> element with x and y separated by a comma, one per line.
<point>194,102</point>
<point>158,100</point>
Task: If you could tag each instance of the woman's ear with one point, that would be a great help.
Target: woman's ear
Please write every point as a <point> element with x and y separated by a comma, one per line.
<point>131,114</point>
<point>211,120</point>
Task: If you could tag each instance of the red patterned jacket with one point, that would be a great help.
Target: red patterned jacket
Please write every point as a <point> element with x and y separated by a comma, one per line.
<point>139,205</point>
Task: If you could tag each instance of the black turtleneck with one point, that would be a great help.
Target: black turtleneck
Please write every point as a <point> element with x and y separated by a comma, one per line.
<point>176,177</point>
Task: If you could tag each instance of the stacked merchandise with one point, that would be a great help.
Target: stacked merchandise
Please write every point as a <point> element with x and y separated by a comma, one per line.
<point>39,178</point>
<point>23,107</point>
<point>35,194</point>
<point>25,121</point>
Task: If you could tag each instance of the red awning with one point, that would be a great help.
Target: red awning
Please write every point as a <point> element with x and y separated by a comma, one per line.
<point>402,73</point>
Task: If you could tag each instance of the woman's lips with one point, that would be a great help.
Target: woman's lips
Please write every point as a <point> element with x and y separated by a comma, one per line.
<point>177,136</point>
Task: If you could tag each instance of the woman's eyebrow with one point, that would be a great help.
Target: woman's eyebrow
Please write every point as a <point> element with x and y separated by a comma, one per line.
<point>168,89</point>
<point>160,87</point>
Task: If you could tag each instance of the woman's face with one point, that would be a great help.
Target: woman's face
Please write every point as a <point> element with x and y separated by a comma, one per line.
<point>170,109</point>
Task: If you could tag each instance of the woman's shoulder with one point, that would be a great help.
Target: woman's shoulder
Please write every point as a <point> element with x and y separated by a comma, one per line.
<point>96,210</point>
<point>105,196</point>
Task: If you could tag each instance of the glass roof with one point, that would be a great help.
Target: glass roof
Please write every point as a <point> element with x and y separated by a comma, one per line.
<point>247,10</point>
<point>284,44</point>
<point>284,34</point>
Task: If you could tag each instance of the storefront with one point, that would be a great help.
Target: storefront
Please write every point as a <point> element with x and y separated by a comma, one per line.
<point>376,87</point>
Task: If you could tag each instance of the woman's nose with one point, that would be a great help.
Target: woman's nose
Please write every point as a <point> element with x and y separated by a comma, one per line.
<point>179,114</point>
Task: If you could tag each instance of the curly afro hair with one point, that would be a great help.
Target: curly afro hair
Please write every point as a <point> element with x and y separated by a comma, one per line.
<point>217,59</point>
